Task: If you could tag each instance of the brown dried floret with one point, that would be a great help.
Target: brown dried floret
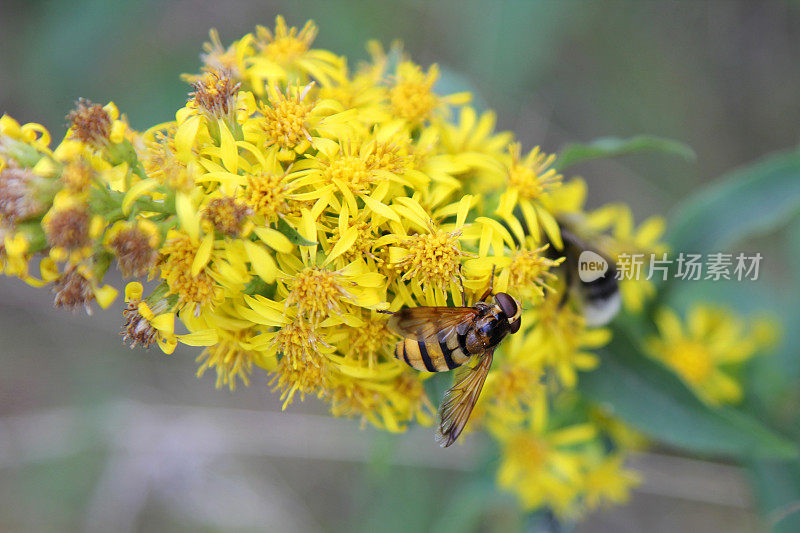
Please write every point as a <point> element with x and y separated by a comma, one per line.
<point>17,201</point>
<point>215,94</point>
<point>227,215</point>
<point>90,123</point>
<point>73,290</point>
<point>68,228</point>
<point>137,329</point>
<point>134,254</point>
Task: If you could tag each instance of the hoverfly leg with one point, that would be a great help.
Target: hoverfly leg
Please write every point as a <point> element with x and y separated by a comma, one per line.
<point>463,292</point>
<point>491,287</point>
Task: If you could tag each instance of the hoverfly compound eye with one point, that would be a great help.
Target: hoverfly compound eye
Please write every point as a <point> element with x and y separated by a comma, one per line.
<point>509,306</point>
<point>515,325</point>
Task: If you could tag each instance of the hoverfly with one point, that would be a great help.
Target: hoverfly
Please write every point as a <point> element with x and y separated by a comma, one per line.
<point>599,298</point>
<point>438,339</point>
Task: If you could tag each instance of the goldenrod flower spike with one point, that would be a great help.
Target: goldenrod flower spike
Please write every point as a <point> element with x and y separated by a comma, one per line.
<point>293,198</point>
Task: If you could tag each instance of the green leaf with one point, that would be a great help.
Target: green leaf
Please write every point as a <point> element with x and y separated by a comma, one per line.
<point>572,154</point>
<point>293,235</point>
<point>655,401</point>
<point>777,487</point>
<point>747,202</point>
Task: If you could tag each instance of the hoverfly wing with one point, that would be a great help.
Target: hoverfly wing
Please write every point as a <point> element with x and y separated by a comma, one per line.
<point>461,398</point>
<point>426,323</point>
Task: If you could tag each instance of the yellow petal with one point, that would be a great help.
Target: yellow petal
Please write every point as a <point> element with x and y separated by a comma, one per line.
<point>463,210</point>
<point>417,209</point>
<point>164,323</point>
<point>206,337</point>
<point>370,279</point>
<point>135,192</point>
<point>380,208</point>
<point>344,243</point>
<point>274,239</point>
<point>96,226</point>
<point>203,255</point>
<point>669,325</point>
<point>308,227</point>
<point>188,215</point>
<point>550,227</point>
<point>650,231</point>
<point>499,230</point>
<point>229,153</point>
<point>48,269</point>
<point>272,311</point>
<point>112,110</point>
<point>105,295</point>
<point>529,213</point>
<point>133,291</point>
<point>184,137</point>
<point>167,345</point>
<point>117,134</point>
<point>261,261</point>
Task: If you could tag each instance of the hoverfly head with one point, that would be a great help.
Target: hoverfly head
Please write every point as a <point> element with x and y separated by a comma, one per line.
<point>511,308</point>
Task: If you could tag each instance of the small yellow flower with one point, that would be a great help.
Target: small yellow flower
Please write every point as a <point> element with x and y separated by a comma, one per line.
<point>412,97</point>
<point>707,350</point>
<point>317,292</point>
<point>194,290</point>
<point>215,95</point>
<point>628,239</point>
<point>217,58</point>
<point>532,176</point>
<point>286,44</point>
<point>530,180</point>
<point>388,406</point>
<point>70,228</point>
<point>303,367</point>
<point>544,466</point>
<point>607,482</point>
<point>563,338</point>
<point>286,54</point>
<point>268,195</point>
<point>431,259</point>
<point>14,253</point>
<point>149,321</point>
<point>162,162</point>
<point>348,165</point>
<point>366,342</point>
<point>286,119</point>
<point>229,358</point>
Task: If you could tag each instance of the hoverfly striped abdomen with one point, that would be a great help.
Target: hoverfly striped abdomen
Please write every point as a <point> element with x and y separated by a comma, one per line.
<point>434,355</point>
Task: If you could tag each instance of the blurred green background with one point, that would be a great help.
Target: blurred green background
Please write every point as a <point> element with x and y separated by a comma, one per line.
<point>95,436</point>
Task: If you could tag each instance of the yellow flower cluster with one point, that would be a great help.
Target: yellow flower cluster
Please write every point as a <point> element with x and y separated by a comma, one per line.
<point>709,350</point>
<point>293,198</point>
<point>566,468</point>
